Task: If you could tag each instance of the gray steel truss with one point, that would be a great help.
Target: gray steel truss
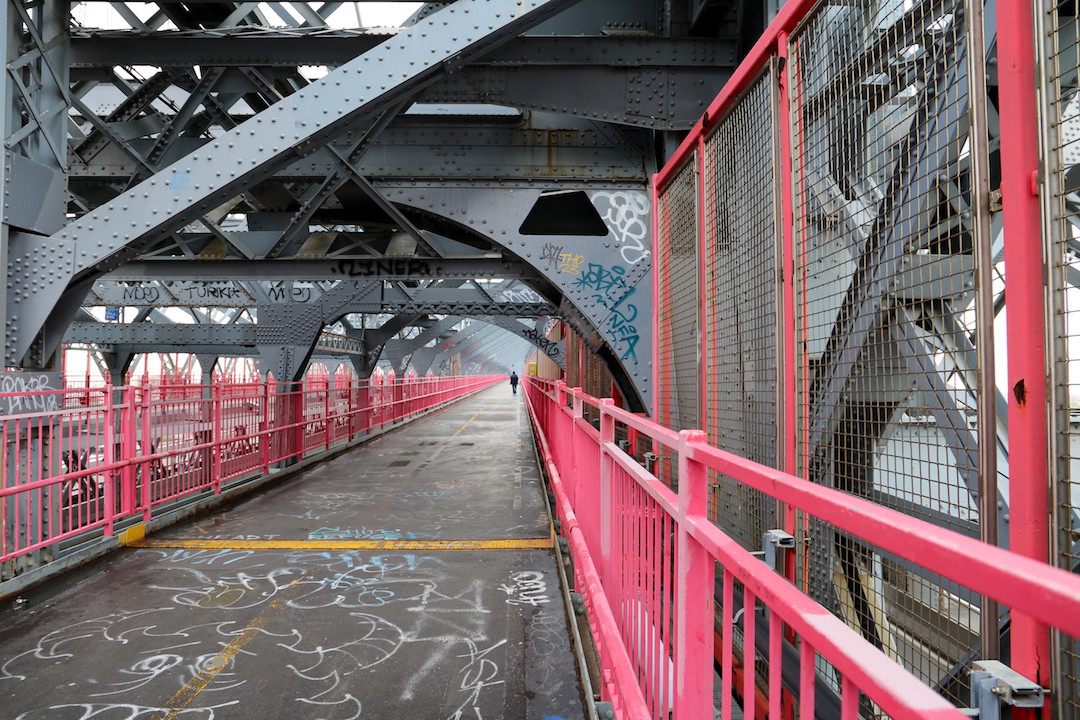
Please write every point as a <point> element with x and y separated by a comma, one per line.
<point>205,165</point>
<point>289,129</point>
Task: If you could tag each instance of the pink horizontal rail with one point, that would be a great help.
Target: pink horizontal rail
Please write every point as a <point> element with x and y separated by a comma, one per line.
<point>1037,589</point>
<point>81,469</point>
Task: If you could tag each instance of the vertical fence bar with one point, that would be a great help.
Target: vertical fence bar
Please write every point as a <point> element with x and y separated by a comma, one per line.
<point>326,416</point>
<point>216,405</point>
<point>607,436</point>
<point>986,405</point>
<point>1026,325</point>
<point>128,450</point>
<point>108,433</point>
<point>654,220</point>
<point>703,348</point>
<point>265,438</point>
<point>786,376</point>
<point>776,660</point>
<point>727,684</point>
<point>749,693</point>
<point>807,677</point>
<point>152,473</point>
<point>693,590</point>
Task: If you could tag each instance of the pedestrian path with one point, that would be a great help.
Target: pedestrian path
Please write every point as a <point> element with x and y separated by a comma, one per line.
<point>410,577</point>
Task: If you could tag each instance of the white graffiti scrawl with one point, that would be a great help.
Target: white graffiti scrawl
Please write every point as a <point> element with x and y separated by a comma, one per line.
<point>627,214</point>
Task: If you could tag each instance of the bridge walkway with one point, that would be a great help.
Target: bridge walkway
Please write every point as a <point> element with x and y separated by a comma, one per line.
<point>409,577</point>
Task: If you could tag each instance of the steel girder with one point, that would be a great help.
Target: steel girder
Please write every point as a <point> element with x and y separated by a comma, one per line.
<point>215,340</point>
<point>347,268</point>
<point>252,46</point>
<point>518,301</point>
<point>253,151</point>
<point>290,330</point>
<point>502,148</point>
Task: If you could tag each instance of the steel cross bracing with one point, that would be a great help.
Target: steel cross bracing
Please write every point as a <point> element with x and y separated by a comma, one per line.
<point>339,185</point>
<point>884,218</point>
<point>292,314</point>
<point>210,106</point>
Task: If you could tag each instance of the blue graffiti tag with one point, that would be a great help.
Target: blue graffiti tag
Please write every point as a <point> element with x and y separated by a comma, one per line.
<point>611,290</point>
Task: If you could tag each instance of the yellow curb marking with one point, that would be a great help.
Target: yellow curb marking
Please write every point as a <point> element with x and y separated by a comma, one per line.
<point>132,535</point>
<point>520,544</point>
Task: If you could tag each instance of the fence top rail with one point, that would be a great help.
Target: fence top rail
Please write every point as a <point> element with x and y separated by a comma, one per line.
<point>641,424</point>
<point>899,693</point>
<point>789,18</point>
<point>1041,590</point>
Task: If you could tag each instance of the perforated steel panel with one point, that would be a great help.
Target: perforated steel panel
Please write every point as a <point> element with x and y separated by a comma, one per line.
<point>1061,120</point>
<point>886,313</point>
<point>677,272</point>
<point>740,303</point>
<point>585,369</point>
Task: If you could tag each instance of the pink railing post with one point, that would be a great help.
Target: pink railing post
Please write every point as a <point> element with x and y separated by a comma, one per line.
<point>349,411</point>
<point>326,415</point>
<point>215,436</point>
<point>108,434</point>
<point>264,422</point>
<point>788,425</point>
<point>1025,324</point>
<point>575,436</point>
<point>295,397</point>
<point>559,437</point>
<point>128,450</point>
<point>607,438</point>
<point>693,590</point>
<point>151,473</point>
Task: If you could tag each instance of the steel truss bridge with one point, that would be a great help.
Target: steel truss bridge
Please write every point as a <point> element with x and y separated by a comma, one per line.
<point>810,267</point>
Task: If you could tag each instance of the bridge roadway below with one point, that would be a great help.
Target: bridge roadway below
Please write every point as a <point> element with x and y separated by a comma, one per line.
<point>409,577</point>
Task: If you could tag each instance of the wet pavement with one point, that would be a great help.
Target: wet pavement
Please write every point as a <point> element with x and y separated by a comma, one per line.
<point>410,577</point>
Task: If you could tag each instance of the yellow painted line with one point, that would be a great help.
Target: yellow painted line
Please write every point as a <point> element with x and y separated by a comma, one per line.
<point>191,689</point>
<point>520,544</point>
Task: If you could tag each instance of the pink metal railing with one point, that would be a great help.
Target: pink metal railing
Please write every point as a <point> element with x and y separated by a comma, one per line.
<point>645,562</point>
<point>127,451</point>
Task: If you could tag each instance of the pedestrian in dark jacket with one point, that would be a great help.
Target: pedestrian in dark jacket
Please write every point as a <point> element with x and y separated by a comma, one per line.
<point>513,381</point>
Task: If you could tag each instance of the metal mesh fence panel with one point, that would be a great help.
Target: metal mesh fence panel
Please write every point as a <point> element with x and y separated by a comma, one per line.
<point>1058,45</point>
<point>585,369</point>
<point>677,327</point>
<point>886,310</point>
<point>741,304</point>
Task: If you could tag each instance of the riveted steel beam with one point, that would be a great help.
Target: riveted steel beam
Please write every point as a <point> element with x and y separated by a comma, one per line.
<point>342,269</point>
<point>253,151</point>
<point>289,47</point>
<point>657,98</point>
<point>517,300</point>
<point>218,340</point>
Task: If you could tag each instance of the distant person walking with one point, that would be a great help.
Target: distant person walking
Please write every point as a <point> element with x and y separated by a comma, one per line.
<point>513,381</point>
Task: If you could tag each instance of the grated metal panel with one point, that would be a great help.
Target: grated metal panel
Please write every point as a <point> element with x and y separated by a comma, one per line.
<point>677,269</point>
<point>741,285</point>
<point>1060,43</point>
<point>887,370</point>
<point>677,308</point>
